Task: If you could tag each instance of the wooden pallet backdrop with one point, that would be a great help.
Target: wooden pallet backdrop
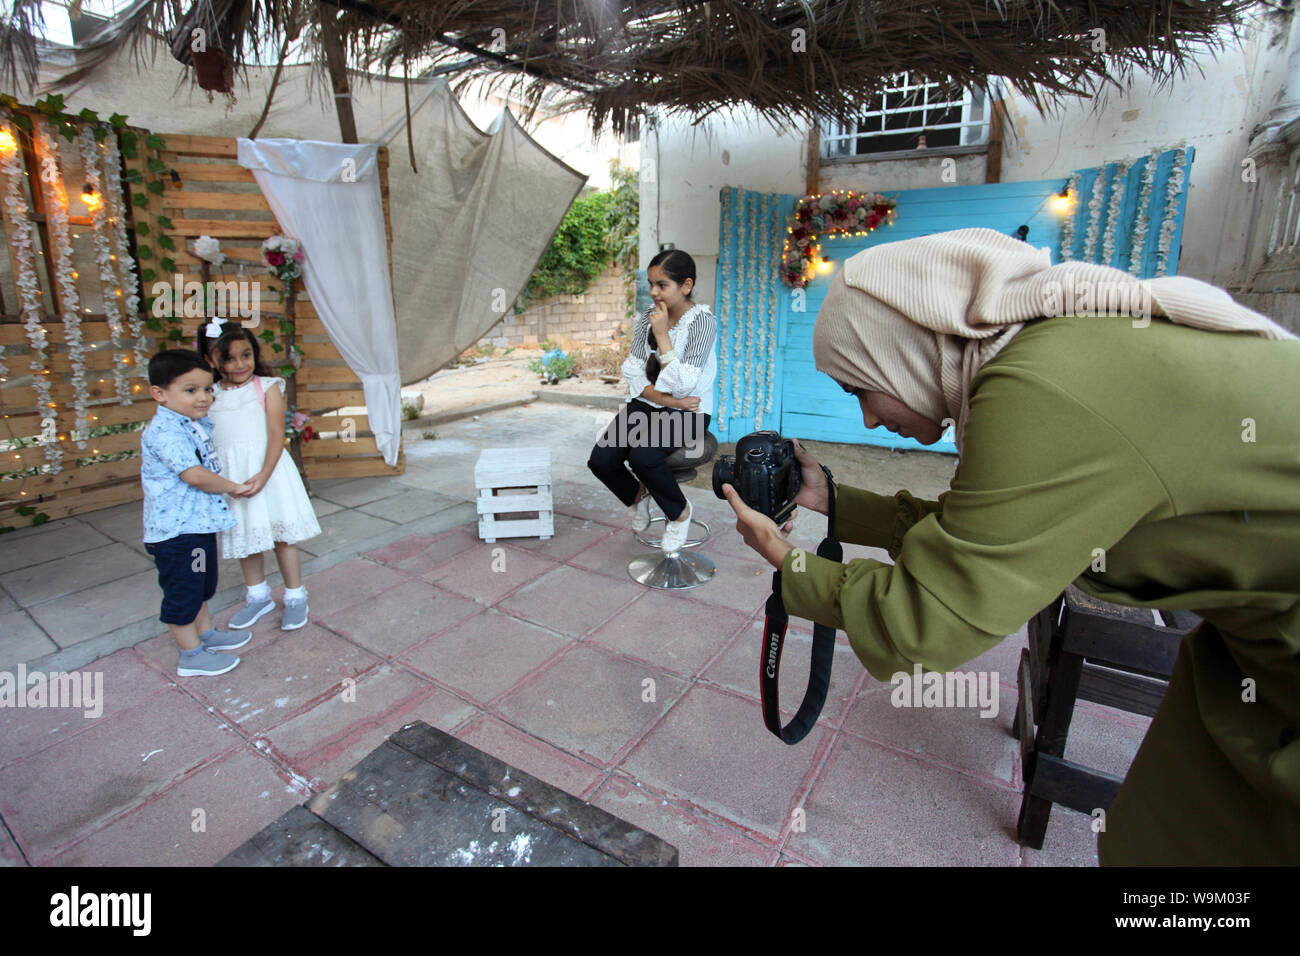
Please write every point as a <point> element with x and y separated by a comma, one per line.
<point>207,194</point>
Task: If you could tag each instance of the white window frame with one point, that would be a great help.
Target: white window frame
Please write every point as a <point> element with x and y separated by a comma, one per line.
<point>839,140</point>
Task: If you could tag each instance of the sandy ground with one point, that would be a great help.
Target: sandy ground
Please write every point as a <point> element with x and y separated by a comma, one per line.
<point>452,391</point>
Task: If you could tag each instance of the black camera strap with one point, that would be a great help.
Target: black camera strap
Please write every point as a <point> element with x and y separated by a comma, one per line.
<point>823,649</point>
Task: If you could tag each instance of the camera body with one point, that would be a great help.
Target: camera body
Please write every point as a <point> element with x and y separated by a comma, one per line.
<point>764,472</point>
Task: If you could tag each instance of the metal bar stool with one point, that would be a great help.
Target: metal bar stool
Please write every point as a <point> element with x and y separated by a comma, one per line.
<point>679,570</point>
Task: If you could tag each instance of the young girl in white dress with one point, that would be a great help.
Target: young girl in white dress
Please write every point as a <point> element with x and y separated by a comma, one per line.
<point>248,412</point>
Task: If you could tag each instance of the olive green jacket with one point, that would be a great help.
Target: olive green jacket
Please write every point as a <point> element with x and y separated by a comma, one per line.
<point>1173,455</point>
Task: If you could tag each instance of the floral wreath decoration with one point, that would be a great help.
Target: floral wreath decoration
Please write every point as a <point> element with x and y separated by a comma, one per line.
<point>839,212</point>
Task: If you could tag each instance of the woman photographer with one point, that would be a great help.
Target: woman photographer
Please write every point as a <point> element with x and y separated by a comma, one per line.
<point>1168,446</point>
<point>669,375</point>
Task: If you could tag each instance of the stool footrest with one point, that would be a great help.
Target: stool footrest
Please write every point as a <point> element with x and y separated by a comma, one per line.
<point>1073,785</point>
<point>1134,693</point>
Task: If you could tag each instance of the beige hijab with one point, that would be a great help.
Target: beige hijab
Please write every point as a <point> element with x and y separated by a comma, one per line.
<point>917,319</point>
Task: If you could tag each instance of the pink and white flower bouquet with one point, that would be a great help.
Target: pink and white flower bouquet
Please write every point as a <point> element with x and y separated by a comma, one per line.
<point>283,256</point>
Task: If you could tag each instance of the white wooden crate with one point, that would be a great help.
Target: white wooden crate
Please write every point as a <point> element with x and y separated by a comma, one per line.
<point>525,473</point>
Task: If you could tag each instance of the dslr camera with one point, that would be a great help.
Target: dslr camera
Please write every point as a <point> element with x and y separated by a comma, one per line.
<point>764,472</point>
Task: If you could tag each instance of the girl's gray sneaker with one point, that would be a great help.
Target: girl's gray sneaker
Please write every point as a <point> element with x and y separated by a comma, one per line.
<point>295,614</point>
<point>202,662</point>
<point>251,611</point>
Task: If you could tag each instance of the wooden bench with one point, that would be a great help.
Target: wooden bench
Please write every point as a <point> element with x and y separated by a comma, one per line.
<point>1084,648</point>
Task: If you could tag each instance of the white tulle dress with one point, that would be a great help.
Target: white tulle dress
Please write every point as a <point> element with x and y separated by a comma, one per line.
<point>281,511</point>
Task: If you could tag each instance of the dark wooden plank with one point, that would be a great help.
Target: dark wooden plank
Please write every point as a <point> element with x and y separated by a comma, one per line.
<point>1144,648</point>
<point>409,812</point>
<point>300,838</point>
<point>592,825</point>
<point>1071,785</point>
<point>1180,620</point>
<point>1135,693</point>
<point>1022,726</point>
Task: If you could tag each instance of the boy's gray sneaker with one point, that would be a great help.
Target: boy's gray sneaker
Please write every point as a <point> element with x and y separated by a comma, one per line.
<point>204,663</point>
<point>225,640</point>
<point>246,616</point>
<point>295,614</point>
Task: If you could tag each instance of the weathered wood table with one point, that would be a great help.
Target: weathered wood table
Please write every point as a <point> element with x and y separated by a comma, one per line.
<point>424,798</point>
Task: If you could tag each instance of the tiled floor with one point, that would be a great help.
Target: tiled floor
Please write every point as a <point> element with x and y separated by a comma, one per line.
<point>544,654</point>
<point>641,701</point>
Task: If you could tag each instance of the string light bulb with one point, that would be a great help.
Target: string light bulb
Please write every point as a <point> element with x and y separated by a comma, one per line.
<point>1064,201</point>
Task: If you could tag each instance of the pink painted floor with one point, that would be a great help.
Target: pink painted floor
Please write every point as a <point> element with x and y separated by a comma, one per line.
<point>546,655</point>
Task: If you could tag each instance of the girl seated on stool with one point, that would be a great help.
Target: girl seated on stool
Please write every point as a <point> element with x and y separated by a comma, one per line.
<point>669,374</point>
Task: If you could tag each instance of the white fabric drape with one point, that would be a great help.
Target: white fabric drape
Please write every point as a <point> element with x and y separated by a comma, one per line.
<point>472,225</point>
<point>326,196</point>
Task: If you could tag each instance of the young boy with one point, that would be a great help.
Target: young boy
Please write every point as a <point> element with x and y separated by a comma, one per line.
<point>184,510</point>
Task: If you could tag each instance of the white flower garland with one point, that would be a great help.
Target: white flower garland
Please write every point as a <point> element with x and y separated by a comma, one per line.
<point>742,286</point>
<point>724,306</point>
<point>56,212</point>
<point>762,265</point>
<point>1094,217</point>
<point>1177,177</point>
<point>1142,222</point>
<point>1113,212</point>
<point>752,288</point>
<point>774,251</point>
<point>110,291</point>
<point>23,249</point>
<point>1067,227</point>
<point>115,197</point>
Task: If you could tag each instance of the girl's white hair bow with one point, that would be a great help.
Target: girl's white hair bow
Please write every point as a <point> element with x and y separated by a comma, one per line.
<point>213,329</point>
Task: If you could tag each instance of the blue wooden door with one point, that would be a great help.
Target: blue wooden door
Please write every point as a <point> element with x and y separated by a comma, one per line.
<point>812,405</point>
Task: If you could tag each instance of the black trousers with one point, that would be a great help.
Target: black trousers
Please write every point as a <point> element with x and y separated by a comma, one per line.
<point>642,437</point>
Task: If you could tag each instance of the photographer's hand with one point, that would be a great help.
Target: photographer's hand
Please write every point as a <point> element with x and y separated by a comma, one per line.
<point>758,530</point>
<point>814,493</point>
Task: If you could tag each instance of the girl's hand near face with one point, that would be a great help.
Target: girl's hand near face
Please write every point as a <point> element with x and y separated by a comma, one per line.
<point>659,319</point>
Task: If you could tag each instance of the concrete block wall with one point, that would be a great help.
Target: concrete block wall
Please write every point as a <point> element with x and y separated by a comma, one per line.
<point>593,317</point>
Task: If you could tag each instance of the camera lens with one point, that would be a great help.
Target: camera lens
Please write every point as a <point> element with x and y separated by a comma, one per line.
<point>724,473</point>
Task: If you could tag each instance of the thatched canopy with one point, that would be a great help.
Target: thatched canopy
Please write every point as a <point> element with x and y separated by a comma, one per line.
<point>790,59</point>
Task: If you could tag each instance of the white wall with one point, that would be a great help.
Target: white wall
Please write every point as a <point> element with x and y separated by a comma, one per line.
<point>683,171</point>
<point>893,174</point>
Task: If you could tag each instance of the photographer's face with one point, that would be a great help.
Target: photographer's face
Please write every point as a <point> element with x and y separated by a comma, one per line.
<point>879,409</point>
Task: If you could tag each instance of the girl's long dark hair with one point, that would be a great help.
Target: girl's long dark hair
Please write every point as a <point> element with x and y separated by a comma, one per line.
<point>678,266</point>
<point>232,333</point>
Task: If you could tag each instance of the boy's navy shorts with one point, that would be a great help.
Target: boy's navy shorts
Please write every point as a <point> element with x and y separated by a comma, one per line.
<point>187,574</point>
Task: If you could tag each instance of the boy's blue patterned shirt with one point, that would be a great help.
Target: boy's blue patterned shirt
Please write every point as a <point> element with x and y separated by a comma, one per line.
<point>169,446</point>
